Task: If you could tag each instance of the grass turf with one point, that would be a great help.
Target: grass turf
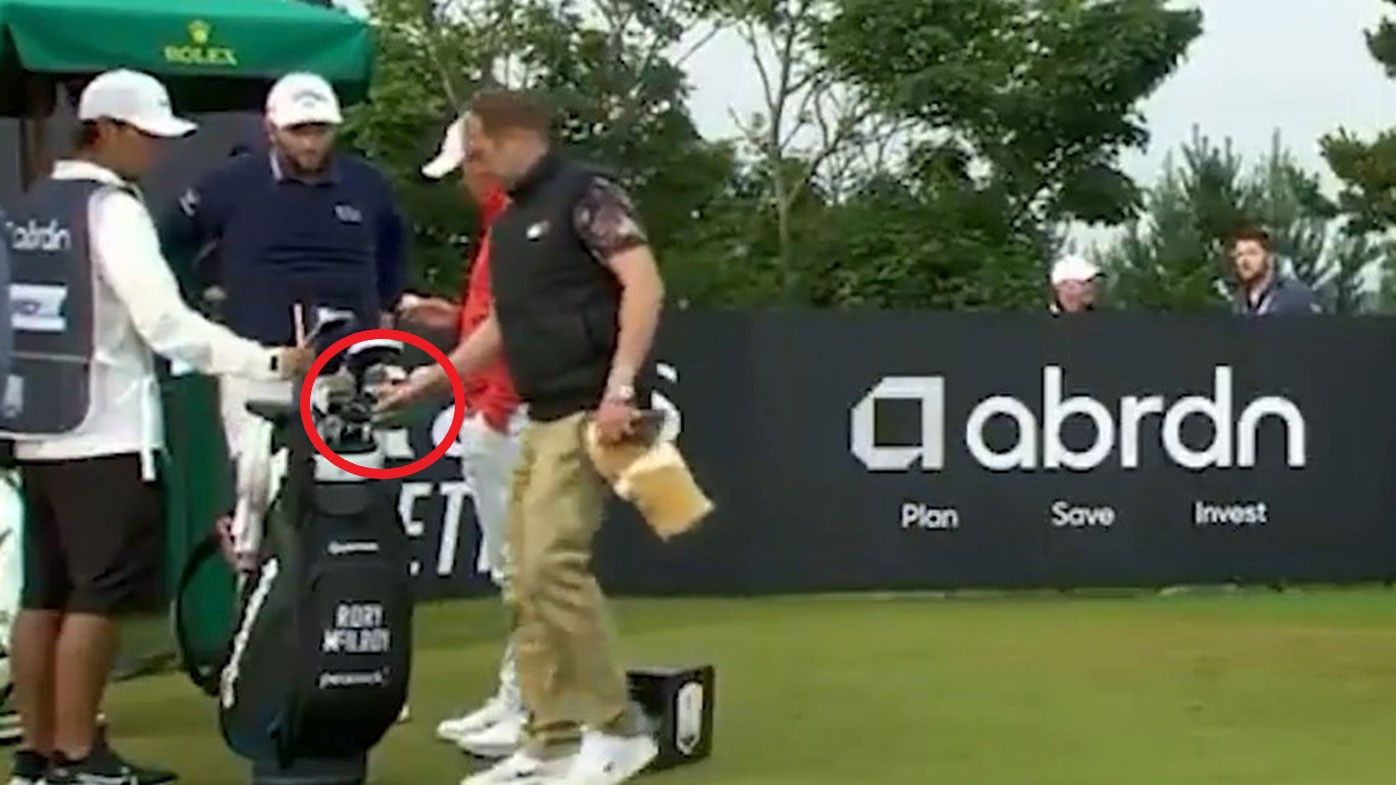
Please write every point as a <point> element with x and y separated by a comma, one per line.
<point>1253,687</point>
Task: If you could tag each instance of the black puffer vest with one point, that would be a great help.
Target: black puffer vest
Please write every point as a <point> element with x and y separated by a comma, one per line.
<point>557,305</point>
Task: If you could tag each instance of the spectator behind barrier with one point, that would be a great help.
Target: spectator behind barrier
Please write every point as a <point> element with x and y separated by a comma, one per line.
<point>1075,287</point>
<point>1262,289</point>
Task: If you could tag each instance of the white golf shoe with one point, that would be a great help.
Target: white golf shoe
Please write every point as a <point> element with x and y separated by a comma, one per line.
<point>499,739</point>
<point>506,703</point>
<point>605,759</point>
<point>523,769</point>
<point>495,710</point>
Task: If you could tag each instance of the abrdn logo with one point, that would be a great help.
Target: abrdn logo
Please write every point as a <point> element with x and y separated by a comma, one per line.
<point>50,238</point>
<point>1039,444</point>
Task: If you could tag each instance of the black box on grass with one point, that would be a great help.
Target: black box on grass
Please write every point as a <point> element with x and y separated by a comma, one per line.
<point>679,704</point>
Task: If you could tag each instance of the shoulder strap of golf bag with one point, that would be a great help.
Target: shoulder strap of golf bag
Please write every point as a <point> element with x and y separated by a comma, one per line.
<point>202,664</point>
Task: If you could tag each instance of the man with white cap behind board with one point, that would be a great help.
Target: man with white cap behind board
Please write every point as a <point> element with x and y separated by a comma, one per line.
<point>1074,284</point>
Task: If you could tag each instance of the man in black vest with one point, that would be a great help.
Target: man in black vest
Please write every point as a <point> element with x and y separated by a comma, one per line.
<point>577,299</point>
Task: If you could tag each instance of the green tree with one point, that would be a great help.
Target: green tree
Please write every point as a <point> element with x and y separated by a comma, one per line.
<point>1353,258</point>
<point>1367,169</point>
<point>812,142</point>
<point>609,67</point>
<point>1020,112</point>
<point>1281,196</point>
<point>1173,256</point>
<point>1043,95</point>
<point>1384,299</point>
<point>908,154</point>
<point>409,105</point>
<point>925,237</point>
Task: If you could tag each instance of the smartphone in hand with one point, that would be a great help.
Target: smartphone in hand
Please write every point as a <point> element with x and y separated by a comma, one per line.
<point>647,428</point>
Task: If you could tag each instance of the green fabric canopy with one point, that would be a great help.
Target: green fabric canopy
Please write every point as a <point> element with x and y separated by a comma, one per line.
<point>213,54</point>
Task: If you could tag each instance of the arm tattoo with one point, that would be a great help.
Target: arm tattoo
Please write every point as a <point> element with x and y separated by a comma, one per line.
<point>607,221</point>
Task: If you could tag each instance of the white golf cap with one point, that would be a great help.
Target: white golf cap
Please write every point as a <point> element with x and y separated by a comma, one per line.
<point>1074,268</point>
<point>452,153</point>
<point>302,99</point>
<point>134,98</point>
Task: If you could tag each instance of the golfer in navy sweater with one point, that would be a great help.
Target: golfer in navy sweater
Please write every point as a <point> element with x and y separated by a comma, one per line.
<point>303,224</point>
<point>300,225</point>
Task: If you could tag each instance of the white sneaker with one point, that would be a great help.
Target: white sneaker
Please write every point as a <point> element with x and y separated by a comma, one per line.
<point>498,740</point>
<point>457,728</point>
<point>608,760</point>
<point>10,730</point>
<point>522,769</point>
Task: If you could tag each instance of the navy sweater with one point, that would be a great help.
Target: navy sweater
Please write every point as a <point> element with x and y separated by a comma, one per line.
<point>338,240</point>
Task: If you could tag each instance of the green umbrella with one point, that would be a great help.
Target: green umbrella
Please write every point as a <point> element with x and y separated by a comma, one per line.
<point>212,54</point>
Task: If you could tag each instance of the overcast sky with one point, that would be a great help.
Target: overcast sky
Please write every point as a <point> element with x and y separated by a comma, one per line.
<point>1299,66</point>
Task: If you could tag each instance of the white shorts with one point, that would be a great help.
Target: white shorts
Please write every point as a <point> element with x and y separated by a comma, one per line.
<point>487,463</point>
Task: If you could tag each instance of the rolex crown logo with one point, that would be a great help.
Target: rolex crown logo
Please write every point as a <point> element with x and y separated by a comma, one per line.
<point>199,32</point>
<point>196,50</point>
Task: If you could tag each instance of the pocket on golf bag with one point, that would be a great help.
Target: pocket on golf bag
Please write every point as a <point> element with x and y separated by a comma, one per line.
<point>356,655</point>
<point>354,621</point>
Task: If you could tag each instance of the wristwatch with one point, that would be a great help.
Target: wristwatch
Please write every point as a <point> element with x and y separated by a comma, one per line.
<point>621,393</point>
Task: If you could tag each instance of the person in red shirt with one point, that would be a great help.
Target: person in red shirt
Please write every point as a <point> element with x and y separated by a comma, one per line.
<point>489,443</point>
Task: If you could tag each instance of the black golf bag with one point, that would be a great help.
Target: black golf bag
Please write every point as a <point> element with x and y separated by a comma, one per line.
<point>316,668</point>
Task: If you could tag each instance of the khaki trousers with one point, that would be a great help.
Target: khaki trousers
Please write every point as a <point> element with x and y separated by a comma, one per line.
<point>568,671</point>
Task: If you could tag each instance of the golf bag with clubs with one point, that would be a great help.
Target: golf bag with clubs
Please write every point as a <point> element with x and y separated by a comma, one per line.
<point>316,668</point>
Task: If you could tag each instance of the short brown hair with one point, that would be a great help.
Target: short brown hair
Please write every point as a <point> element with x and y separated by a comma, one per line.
<point>500,110</point>
<point>1254,234</point>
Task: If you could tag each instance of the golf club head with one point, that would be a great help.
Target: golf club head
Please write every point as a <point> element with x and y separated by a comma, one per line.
<point>375,351</point>
<point>329,325</point>
<point>330,320</point>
